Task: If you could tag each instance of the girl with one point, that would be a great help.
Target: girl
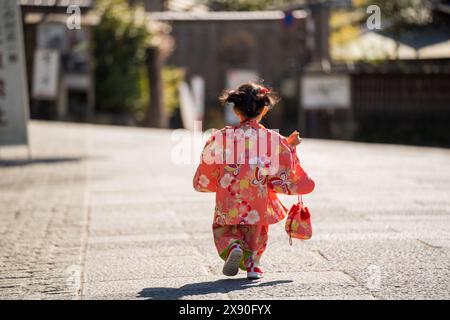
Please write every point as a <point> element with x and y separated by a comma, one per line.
<point>245,180</point>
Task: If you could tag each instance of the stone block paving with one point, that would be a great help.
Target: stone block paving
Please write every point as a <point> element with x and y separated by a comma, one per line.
<point>43,216</point>
<point>102,212</point>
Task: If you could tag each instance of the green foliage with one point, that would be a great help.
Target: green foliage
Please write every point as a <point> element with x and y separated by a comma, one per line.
<point>342,29</point>
<point>397,17</point>
<point>172,77</point>
<point>401,14</point>
<point>120,41</point>
<point>247,5</point>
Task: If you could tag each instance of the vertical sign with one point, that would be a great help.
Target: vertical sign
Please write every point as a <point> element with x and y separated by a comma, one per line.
<point>46,74</point>
<point>13,85</point>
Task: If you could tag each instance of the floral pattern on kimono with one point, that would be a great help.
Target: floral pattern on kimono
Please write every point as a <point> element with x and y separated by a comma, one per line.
<point>245,193</point>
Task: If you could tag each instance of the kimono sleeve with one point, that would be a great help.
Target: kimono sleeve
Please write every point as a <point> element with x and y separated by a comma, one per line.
<point>205,178</point>
<point>290,177</point>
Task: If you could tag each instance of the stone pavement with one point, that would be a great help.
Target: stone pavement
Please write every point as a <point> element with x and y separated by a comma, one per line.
<point>101,212</point>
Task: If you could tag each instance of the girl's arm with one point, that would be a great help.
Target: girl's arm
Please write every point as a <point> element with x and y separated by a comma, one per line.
<point>205,178</point>
<point>299,181</point>
<point>291,178</point>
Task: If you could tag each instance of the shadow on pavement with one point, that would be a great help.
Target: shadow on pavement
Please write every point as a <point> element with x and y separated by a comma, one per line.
<point>26,162</point>
<point>202,288</point>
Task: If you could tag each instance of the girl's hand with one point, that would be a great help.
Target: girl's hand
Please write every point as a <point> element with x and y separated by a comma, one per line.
<point>294,139</point>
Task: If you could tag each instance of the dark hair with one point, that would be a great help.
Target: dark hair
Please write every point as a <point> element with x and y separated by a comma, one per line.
<point>250,99</point>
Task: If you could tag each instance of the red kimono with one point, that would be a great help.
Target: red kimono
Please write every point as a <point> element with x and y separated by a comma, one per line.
<point>246,166</point>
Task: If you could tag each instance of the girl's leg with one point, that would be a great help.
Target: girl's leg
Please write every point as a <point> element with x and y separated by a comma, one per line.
<point>225,237</point>
<point>255,242</point>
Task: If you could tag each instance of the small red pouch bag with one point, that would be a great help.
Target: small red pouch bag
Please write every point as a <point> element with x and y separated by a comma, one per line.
<point>298,223</point>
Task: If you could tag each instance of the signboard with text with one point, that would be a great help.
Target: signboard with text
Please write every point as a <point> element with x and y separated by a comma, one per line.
<point>325,91</point>
<point>46,74</point>
<point>13,85</point>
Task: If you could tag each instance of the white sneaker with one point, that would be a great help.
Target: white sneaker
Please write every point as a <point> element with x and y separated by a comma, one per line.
<point>254,272</point>
<point>231,266</point>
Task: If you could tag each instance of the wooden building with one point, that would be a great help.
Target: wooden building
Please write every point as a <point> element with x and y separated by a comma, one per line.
<point>272,45</point>
<point>46,30</point>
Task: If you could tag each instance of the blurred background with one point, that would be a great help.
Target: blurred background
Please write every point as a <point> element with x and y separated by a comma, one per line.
<point>107,211</point>
<point>342,72</point>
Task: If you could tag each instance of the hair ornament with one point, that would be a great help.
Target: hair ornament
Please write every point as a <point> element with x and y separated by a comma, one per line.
<point>263,90</point>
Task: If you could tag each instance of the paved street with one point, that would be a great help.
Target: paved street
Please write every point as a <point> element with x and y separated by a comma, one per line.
<point>100,212</point>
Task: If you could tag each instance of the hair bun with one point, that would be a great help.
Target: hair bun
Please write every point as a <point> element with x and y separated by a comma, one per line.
<point>234,97</point>
<point>249,99</point>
